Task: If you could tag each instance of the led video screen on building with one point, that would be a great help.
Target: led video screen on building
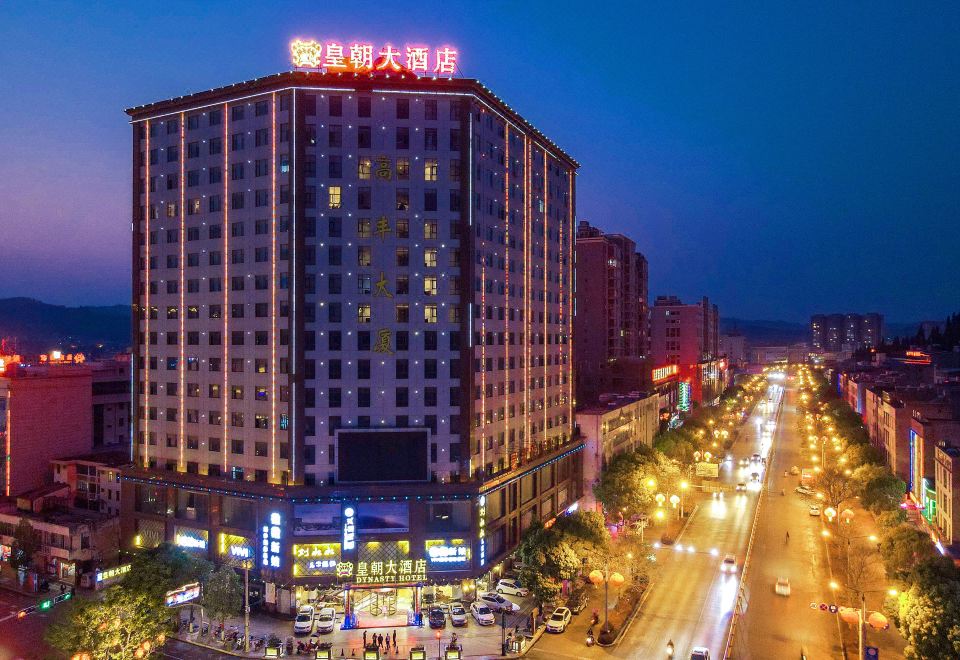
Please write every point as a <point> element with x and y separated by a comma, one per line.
<point>376,456</point>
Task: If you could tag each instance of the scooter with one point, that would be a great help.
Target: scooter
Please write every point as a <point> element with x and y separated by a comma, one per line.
<point>670,649</point>
<point>590,639</point>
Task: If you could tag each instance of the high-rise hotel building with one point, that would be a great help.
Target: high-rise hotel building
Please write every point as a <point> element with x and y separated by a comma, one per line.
<point>352,320</point>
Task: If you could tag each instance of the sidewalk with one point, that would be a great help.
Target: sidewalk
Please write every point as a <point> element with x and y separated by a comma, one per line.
<point>476,641</point>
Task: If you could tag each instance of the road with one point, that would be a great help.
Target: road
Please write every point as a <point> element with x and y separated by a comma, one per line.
<point>22,639</point>
<point>690,600</point>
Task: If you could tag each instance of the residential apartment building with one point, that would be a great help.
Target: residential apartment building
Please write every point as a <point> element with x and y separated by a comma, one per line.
<point>111,402</point>
<point>689,336</point>
<point>837,332</point>
<point>611,318</point>
<point>947,481</point>
<point>94,480</point>
<point>353,318</point>
<point>614,425</point>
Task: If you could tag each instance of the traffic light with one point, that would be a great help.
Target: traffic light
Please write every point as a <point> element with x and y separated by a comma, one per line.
<point>66,595</point>
<point>45,605</point>
<point>26,610</point>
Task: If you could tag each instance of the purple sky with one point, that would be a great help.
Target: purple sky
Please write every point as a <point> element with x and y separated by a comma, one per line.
<point>781,162</point>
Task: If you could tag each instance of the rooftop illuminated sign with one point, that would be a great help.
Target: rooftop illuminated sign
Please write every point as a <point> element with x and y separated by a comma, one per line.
<point>338,57</point>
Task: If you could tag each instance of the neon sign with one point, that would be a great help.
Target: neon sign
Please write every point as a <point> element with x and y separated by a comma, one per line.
<point>235,547</point>
<point>683,402</point>
<point>270,542</point>
<point>482,534</point>
<point>192,539</point>
<point>349,529</point>
<point>447,554</point>
<point>184,594</point>
<point>337,57</point>
<point>112,573</point>
<point>661,373</point>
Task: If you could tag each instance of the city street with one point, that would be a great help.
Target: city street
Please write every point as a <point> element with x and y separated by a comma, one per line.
<point>690,600</point>
<point>22,639</point>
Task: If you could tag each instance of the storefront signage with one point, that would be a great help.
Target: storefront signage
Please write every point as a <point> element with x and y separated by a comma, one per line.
<point>270,541</point>
<point>384,572</point>
<point>683,399</point>
<point>349,528</point>
<point>361,57</point>
<point>315,558</point>
<point>184,594</point>
<point>662,373</point>
<point>191,539</point>
<point>454,552</point>
<point>483,529</point>
<point>111,573</point>
<point>235,548</point>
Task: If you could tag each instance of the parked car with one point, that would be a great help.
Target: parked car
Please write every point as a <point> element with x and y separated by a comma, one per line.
<point>803,490</point>
<point>577,601</point>
<point>498,603</point>
<point>794,470</point>
<point>783,586</point>
<point>558,621</point>
<point>326,620</point>
<point>437,618</point>
<point>303,624</point>
<point>814,510</point>
<point>729,564</point>
<point>511,587</point>
<point>482,613</point>
<point>458,615</point>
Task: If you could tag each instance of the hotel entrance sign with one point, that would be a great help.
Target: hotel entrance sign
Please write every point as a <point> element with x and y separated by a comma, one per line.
<point>337,57</point>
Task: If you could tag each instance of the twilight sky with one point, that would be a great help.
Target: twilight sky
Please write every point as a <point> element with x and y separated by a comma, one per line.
<point>781,159</point>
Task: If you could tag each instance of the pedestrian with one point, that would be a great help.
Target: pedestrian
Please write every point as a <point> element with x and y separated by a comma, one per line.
<point>380,640</point>
<point>394,637</point>
<point>364,639</point>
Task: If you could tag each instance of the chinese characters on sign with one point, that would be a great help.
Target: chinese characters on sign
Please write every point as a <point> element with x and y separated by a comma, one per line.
<point>384,572</point>
<point>383,341</point>
<point>337,57</point>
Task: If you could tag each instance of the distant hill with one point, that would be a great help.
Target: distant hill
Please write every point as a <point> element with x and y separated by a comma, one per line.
<point>766,333</point>
<point>36,327</point>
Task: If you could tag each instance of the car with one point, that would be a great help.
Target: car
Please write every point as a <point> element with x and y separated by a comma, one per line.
<point>783,586</point>
<point>700,653</point>
<point>755,458</point>
<point>754,476</point>
<point>577,601</point>
<point>303,624</point>
<point>729,564</point>
<point>741,487</point>
<point>437,618</point>
<point>744,462</point>
<point>482,613</point>
<point>326,620</point>
<point>803,490</point>
<point>458,615</point>
<point>498,603</point>
<point>558,621</point>
<point>794,470</point>
<point>511,587</point>
<point>814,510</point>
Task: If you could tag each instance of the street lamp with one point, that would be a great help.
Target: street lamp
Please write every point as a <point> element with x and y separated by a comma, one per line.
<point>862,612</point>
<point>607,578</point>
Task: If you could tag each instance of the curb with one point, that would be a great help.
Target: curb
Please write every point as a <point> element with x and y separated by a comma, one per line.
<point>218,649</point>
<point>629,619</point>
<point>533,640</point>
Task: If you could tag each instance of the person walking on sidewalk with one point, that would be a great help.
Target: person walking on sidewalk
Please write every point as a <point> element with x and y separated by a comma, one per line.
<point>364,639</point>
<point>394,638</point>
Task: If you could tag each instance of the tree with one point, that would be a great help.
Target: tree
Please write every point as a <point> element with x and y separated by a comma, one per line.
<point>223,594</point>
<point>928,612</point>
<point>586,534</point>
<point>25,545</point>
<point>622,486</point>
<point>158,570</point>
<point>905,548</point>
<point>879,489</point>
<point>113,628</point>
<point>543,587</point>
<point>561,562</point>
<point>836,486</point>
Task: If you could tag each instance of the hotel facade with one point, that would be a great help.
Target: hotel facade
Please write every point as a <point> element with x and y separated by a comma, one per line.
<point>352,320</point>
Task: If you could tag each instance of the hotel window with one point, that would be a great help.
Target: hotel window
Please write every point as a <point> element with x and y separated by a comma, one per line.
<point>364,284</point>
<point>455,170</point>
<point>363,137</point>
<point>214,146</point>
<point>403,137</point>
<point>335,136</point>
<point>261,137</point>
<point>403,168</point>
<point>403,256</point>
<point>336,106</point>
<point>260,394</point>
<point>430,258</point>
<point>430,169</point>
<point>236,447</point>
<point>430,313</point>
<point>334,199</point>
<point>430,199</point>
<point>173,154</point>
<point>430,229</point>
<point>363,313</point>
<point>429,286</point>
<point>193,122</point>
<point>403,228</point>
<point>172,210</point>
<point>364,168</point>
<point>364,255</point>
<point>430,139</point>
<point>261,167</point>
<point>364,197</point>
<point>364,228</point>
<point>261,422</point>
<point>236,171</point>
<point>363,106</point>
<point>403,199</point>
<point>403,108</point>
<point>260,366</point>
<point>236,141</point>
<point>260,108</point>
<point>236,113</point>
<point>430,109</point>
<point>403,285</point>
<point>335,167</point>
<point>403,313</point>
<point>193,150</point>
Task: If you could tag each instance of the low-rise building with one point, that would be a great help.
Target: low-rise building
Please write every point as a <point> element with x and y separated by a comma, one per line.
<point>947,478</point>
<point>72,541</point>
<point>94,480</point>
<point>616,424</point>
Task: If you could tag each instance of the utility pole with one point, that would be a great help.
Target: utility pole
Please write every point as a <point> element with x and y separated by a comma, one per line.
<point>246,606</point>
<point>863,615</point>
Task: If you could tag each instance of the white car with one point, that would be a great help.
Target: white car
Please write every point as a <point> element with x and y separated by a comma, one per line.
<point>783,586</point>
<point>729,564</point>
<point>511,587</point>
<point>498,603</point>
<point>803,490</point>
<point>558,621</point>
<point>458,615</point>
<point>303,624</point>
<point>326,620</point>
<point>482,613</point>
<point>814,510</point>
<point>700,653</point>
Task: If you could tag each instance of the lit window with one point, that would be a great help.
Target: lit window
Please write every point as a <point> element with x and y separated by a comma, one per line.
<point>334,192</point>
<point>364,255</point>
<point>429,286</point>
<point>363,228</point>
<point>430,313</point>
<point>430,169</point>
<point>430,258</point>
<point>363,313</point>
<point>430,229</point>
<point>364,168</point>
